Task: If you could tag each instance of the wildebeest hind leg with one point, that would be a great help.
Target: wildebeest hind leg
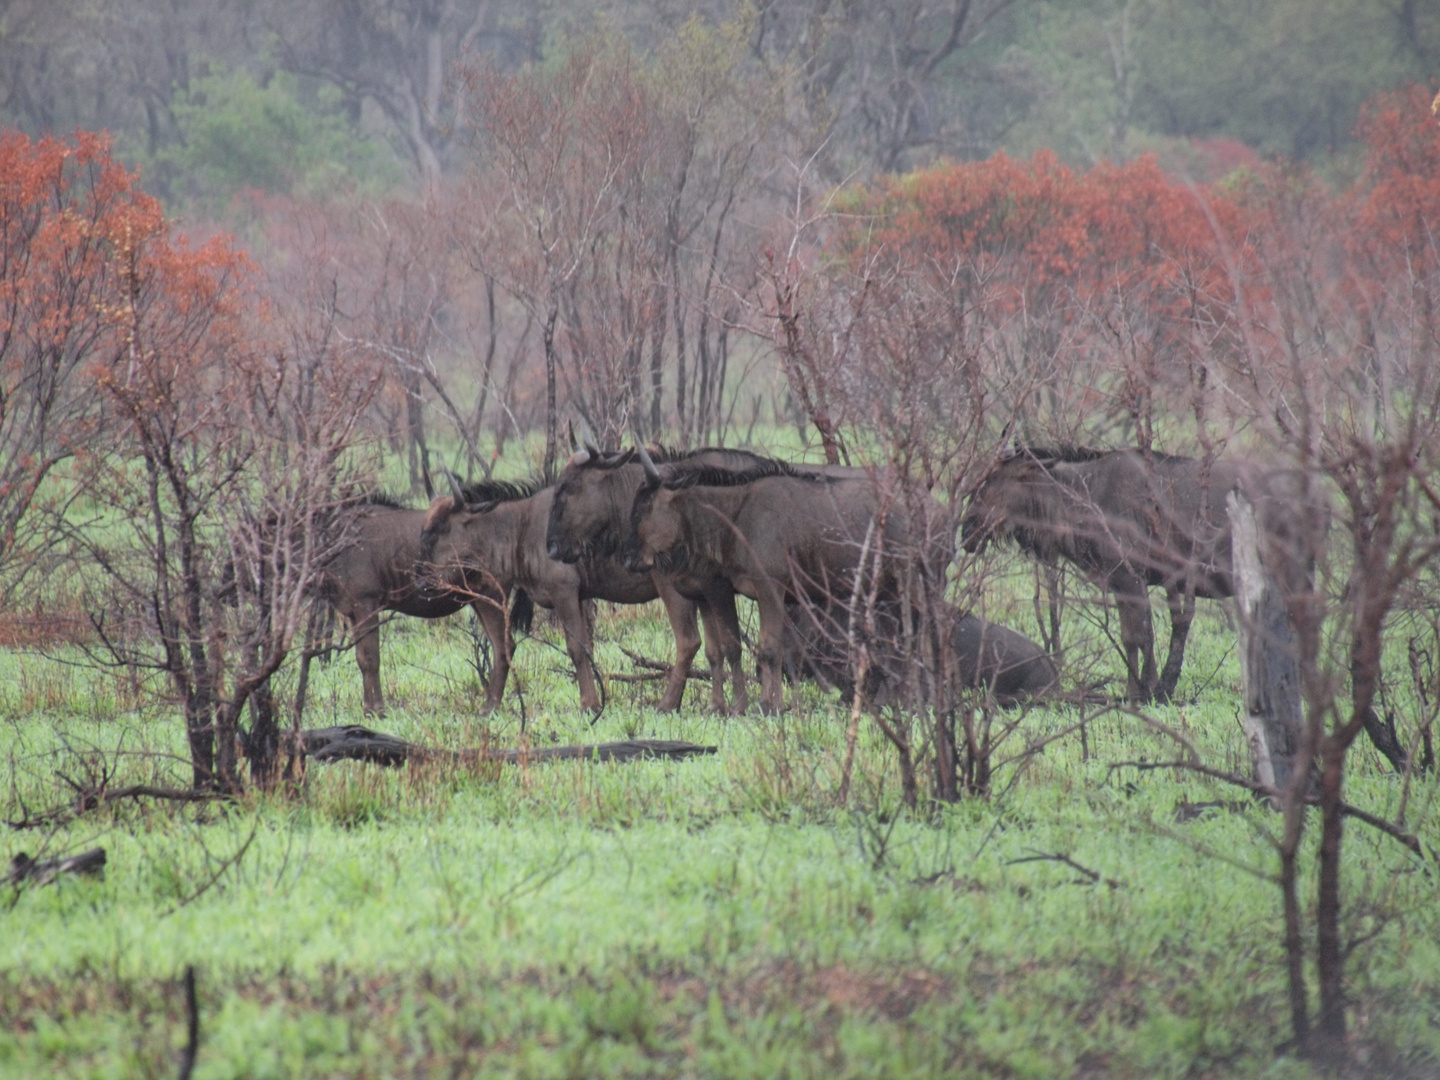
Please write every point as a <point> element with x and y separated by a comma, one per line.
<point>1182,612</point>
<point>772,649</point>
<point>1137,636</point>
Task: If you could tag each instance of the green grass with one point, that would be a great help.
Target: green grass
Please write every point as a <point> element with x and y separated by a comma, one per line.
<point>721,916</point>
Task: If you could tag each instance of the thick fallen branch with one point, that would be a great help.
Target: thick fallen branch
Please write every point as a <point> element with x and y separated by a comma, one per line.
<point>352,742</point>
<point>43,871</point>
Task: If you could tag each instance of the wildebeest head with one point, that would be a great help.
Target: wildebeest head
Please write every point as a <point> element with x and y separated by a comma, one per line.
<point>448,561</point>
<point>582,515</point>
<point>657,530</point>
<point>440,568</point>
<point>989,513</point>
<point>1018,499</point>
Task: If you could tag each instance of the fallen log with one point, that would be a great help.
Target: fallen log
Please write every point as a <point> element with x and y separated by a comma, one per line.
<point>43,871</point>
<point>351,742</point>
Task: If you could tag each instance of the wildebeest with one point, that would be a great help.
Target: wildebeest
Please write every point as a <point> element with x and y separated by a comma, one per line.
<point>590,517</point>
<point>776,532</point>
<point>1129,520</point>
<point>483,544</point>
<point>374,571</point>
<point>986,655</point>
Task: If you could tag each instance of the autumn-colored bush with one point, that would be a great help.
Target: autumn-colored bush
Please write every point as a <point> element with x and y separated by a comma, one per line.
<point>70,217</point>
<point>1040,224</point>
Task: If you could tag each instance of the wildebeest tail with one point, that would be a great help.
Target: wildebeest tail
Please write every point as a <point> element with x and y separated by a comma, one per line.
<point>522,612</point>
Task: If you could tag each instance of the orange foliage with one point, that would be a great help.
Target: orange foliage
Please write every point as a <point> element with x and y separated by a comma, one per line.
<point>1397,204</point>
<point>1043,225</point>
<point>94,290</point>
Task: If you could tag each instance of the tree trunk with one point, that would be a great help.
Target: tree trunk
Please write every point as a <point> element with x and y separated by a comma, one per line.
<point>552,417</point>
<point>1269,663</point>
<point>1328,1040</point>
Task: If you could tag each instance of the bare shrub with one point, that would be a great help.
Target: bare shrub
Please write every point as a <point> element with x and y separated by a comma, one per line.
<point>232,458</point>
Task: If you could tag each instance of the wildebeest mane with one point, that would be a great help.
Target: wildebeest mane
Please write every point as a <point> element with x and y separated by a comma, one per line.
<point>660,455</point>
<point>498,491</point>
<point>1066,454</point>
<point>718,476</point>
<point>380,498</point>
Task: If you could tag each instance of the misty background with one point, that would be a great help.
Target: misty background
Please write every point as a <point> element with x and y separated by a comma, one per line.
<point>212,98</point>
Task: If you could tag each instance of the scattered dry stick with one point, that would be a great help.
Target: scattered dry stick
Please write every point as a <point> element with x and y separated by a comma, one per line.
<point>702,674</point>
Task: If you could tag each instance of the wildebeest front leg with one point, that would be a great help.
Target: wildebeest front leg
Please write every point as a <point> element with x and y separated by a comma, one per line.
<point>1137,637</point>
<point>1182,613</point>
<point>577,643</point>
<point>366,628</point>
<point>722,646</point>
<point>502,647</point>
<point>681,613</point>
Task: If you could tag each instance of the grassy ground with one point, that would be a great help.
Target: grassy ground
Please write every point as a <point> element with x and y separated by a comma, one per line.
<point>722,916</point>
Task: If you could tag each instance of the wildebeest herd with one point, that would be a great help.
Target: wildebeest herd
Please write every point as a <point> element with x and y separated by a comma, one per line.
<point>809,544</point>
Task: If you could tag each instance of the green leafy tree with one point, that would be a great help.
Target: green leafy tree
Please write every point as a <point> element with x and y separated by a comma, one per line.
<point>282,137</point>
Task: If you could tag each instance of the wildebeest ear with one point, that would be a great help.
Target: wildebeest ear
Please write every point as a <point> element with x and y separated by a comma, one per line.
<point>439,512</point>
<point>652,474</point>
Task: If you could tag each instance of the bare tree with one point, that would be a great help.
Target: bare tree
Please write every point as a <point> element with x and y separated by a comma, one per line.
<point>607,201</point>
<point>888,81</point>
<point>220,497</point>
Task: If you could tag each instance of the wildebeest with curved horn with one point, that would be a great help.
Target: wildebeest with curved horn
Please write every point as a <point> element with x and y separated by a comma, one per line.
<point>590,517</point>
<point>1129,520</point>
<point>374,572</point>
<point>777,532</point>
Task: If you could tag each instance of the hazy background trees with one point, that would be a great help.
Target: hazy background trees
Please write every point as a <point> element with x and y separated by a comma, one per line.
<point>887,86</point>
<point>621,282</point>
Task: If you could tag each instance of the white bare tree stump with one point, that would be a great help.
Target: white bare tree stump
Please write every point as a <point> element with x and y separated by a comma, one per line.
<point>1269,668</point>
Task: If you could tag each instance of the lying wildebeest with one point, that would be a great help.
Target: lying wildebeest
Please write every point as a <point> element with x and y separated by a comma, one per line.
<point>478,546</point>
<point>776,532</point>
<point>986,655</point>
<point>375,572</point>
<point>590,518</point>
<point>1130,520</point>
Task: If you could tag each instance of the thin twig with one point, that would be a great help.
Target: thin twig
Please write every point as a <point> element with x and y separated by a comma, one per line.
<point>1094,875</point>
<point>1389,829</point>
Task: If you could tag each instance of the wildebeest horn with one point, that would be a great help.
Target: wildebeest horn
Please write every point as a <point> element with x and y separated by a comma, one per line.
<point>1009,445</point>
<point>652,474</point>
<point>587,439</point>
<point>456,488</point>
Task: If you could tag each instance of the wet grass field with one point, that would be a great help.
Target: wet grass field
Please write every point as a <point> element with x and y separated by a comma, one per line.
<point>723,916</point>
